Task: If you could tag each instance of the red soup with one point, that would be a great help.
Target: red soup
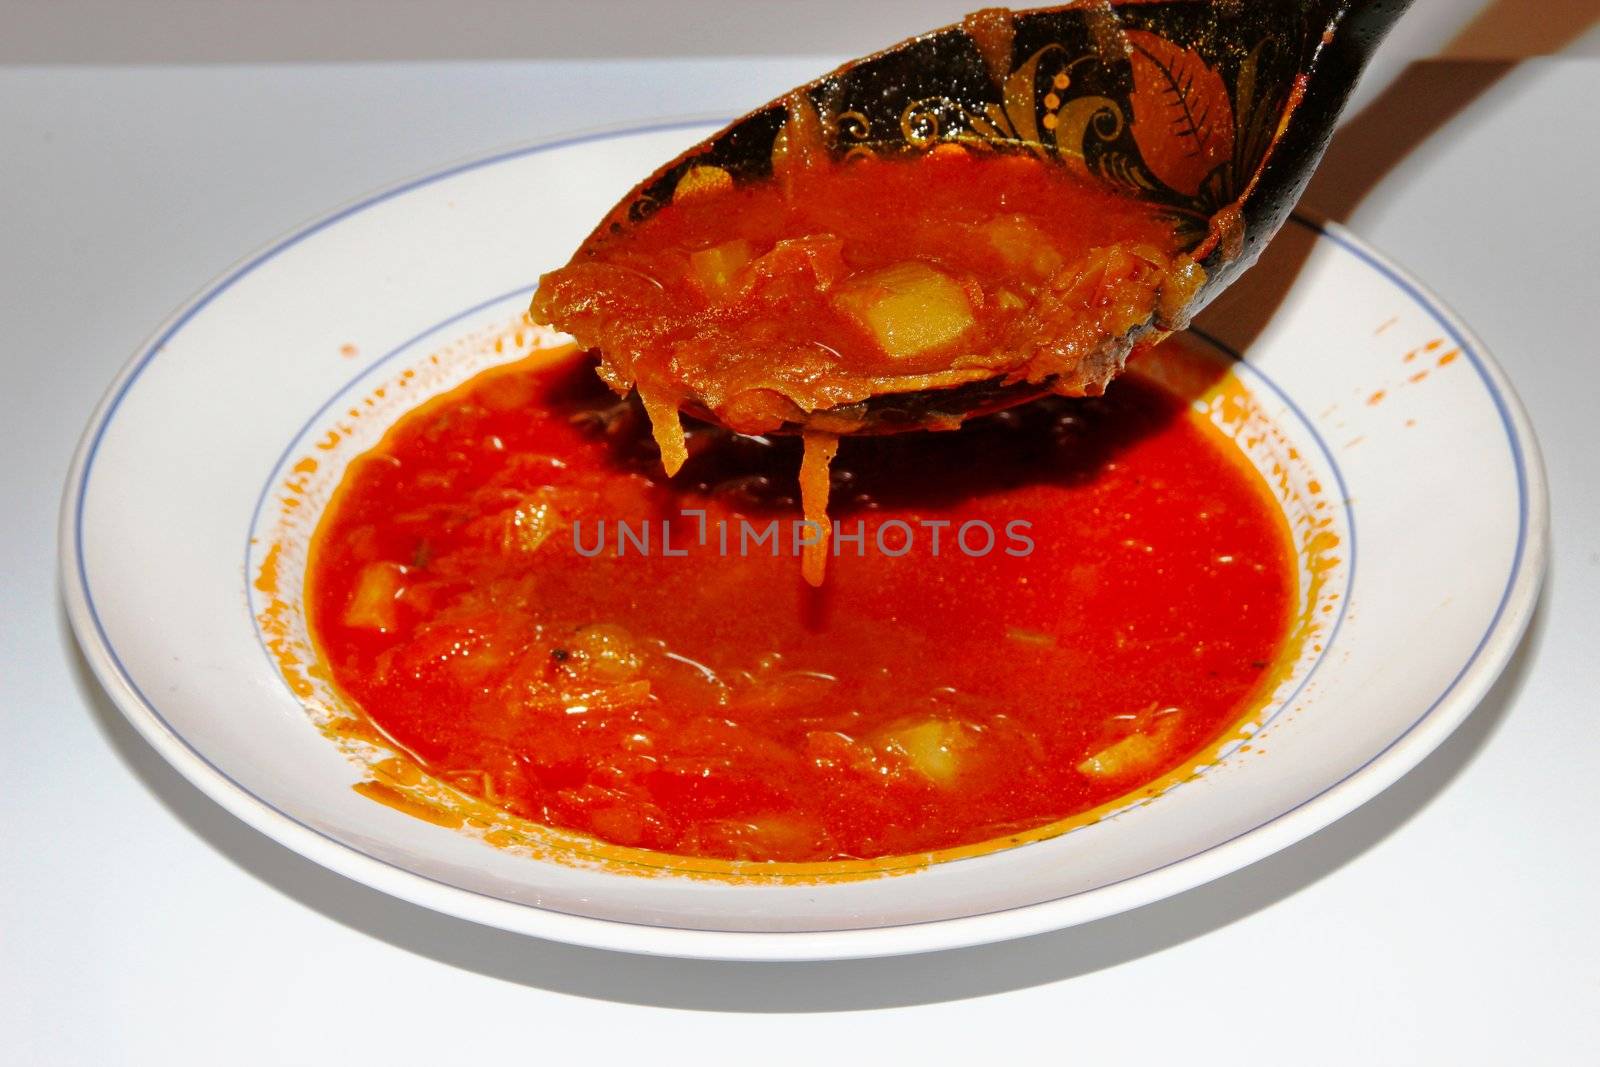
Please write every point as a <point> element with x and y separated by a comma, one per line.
<point>1023,620</point>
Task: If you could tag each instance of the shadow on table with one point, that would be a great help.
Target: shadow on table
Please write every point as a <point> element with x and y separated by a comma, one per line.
<point>1366,149</point>
<point>809,987</point>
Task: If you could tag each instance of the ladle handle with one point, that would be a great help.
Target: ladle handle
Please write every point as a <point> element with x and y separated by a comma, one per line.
<point>1361,25</point>
<point>1350,32</point>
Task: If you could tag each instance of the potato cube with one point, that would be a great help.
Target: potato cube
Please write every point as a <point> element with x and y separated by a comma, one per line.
<point>528,525</point>
<point>606,653</point>
<point>1135,753</point>
<point>375,603</point>
<point>932,749</point>
<point>1025,248</point>
<point>909,307</point>
<point>713,268</point>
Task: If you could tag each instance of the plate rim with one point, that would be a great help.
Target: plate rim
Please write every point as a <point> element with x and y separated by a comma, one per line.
<point>1471,684</point>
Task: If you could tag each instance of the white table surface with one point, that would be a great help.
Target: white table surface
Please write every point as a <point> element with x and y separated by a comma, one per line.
<point>1452,920</point>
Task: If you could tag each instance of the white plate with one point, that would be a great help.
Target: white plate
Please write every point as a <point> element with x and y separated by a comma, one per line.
<point>1433,491</point>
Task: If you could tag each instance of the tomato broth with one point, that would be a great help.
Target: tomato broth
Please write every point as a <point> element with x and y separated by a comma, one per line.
<point>1023,619</point>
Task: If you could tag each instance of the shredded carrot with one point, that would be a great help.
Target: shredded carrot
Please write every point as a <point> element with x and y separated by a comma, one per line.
<point>666,425</point>
<point>819,452</point>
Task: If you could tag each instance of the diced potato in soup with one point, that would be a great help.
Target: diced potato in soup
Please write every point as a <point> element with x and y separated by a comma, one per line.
<point>375,603</point>
<point>910,307</point>
<point>714,268</point>
<point>932,749</point>
<point>1023,245</point>
<point>1136,753</point>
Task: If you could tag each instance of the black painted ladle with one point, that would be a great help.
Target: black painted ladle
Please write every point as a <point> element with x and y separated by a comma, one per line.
<point>1215,111</point>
